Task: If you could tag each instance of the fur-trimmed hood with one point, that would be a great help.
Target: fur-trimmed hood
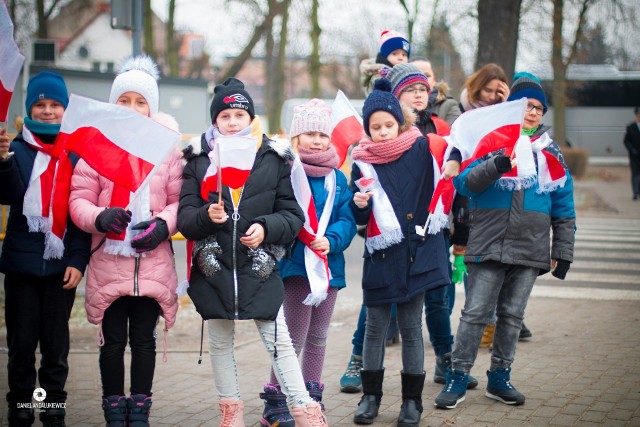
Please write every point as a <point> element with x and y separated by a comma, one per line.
<point>198,145</point>
<point>409,117</point>
<point>369,67</point>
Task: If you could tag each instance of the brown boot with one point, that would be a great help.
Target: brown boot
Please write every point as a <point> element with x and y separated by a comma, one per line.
<point>487,336</point>
<point>232,413</point>
<point>309,416</point>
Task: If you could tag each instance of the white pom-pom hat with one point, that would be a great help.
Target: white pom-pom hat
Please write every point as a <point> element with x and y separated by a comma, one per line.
<point>138,74</point>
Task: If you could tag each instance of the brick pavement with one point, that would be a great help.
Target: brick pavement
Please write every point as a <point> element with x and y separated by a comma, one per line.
<point>581,368</point>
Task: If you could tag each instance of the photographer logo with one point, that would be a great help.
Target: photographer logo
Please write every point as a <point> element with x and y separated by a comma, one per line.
<point>39,394</point>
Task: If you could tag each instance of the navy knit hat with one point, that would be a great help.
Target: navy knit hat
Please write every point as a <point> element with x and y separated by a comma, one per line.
<point>381,99</point>
<point>231,94</point>
<point>402,76</point>
<point>46,85</point>
<point>526,85</point>
<point>392,40</point>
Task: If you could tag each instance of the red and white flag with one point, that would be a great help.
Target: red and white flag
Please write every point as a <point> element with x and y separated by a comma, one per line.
<point>231,160</point>
<point>316,264</point>
<point>347,126</point>
<point>481,131</point>
<point>119,143</point>
<point>475,133</point>
<point>11,61</point>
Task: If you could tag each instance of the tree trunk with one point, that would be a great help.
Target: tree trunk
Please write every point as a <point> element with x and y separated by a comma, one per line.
<point>149,46</point>
<point>498,33</point>
<point>236,64</point>
<point>172,48</point>
<point>314,60</point>
<point>42,20</point>
<point>559,76</point>
<point>276,77</point>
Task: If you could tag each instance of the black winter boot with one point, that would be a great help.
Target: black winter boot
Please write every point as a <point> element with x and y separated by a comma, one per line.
<point>53,417</point>
<point>411,408</point>
<point>138,407</point>
<point>115,410</point>
<point>372,394</point>
<point>20,417</point>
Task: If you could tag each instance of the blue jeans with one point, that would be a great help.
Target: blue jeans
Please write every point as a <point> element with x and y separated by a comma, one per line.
<point>438,316</point>
<point>410,323</point>
<point>358,334</point>
<point>493,286</point>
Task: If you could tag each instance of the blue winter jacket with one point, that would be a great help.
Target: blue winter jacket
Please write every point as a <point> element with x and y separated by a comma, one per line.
<point>340,231</point>
<point>418,263</point>
<point>512,227</point>
<point>22,250</point>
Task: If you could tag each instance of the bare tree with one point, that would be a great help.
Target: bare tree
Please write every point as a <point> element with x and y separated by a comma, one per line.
<point>172,46</point>
<point>275,8</point>
<point>411,16</point>
<point>275,76</point>
<point>149,45</point>
<point>498,22</point>
<point>560,64</point>
<point>314,59</point>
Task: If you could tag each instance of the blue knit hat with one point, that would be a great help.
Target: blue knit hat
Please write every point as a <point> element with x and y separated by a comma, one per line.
<point>526,85</point>
<point>392,40</point>
<point>381,99</point>
<point>46,85</point>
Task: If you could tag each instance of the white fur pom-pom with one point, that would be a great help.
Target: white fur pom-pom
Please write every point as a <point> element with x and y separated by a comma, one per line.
<point>143,63</point>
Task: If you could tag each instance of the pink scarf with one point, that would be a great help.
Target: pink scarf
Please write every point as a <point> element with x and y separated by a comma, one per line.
<point>378,153</point>
<point>317,164</point>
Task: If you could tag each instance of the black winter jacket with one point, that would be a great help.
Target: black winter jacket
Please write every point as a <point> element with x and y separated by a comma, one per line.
<point>22,250</point>
<point>267,199</point>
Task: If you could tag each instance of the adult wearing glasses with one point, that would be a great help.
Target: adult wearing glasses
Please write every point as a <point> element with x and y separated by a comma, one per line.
<point>510,244</point>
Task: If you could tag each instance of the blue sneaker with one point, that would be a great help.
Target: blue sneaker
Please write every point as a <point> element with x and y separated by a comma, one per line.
<point>443,364</point>
<point>499,387</point>
<point>350,381</point>
<point>454,390</point>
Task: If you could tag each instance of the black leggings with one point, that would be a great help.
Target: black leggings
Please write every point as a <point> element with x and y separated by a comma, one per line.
<point>141,314</point>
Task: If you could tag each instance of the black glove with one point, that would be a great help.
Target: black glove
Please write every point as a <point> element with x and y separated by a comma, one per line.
<point>156,232</point>
<point>561,269</point>
<point>113,219</point>
<point>503,163</point>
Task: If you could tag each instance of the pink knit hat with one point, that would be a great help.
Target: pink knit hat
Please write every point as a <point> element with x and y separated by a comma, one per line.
<point>314,116</point>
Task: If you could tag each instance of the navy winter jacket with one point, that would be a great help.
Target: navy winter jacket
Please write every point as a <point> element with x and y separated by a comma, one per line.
<point>22,250</point>
<point>418,263</point>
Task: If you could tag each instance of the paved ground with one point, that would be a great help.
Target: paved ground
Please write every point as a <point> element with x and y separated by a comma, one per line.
<point>582,366</point>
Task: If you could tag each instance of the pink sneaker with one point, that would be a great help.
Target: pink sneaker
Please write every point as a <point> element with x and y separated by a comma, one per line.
<point>232,413</point>
<point>309,416</point>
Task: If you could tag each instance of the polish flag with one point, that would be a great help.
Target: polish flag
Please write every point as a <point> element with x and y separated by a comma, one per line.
<point>475,133</point>
<point>481,131</point>
<point>234,156</point>
<point>119,143</point>
<point>347,126</point>
<point>11,61</point>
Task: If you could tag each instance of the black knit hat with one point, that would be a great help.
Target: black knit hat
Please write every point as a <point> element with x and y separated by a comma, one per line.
<point>231,94</point>
<point>526,85</point>
<point>381,99</point>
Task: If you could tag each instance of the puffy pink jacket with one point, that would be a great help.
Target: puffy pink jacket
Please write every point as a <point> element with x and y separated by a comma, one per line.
<point>112,276</point>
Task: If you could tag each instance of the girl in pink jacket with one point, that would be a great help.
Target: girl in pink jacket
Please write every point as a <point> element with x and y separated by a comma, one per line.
<point>131,278</point>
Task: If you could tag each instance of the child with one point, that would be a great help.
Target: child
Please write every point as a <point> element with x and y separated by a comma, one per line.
<point>309,323</point>
<point>394,49</point>
<point>131,281</point>
<point>233,276</point>
<point>40,280</point>
<point>397,166</point>
<point>509,246</point>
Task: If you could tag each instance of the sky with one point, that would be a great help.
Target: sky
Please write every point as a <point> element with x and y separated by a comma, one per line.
<point>228,24</point>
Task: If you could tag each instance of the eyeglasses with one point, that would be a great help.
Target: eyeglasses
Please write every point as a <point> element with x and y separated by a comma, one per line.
<point>414,90</point>
<point>539,110</point>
